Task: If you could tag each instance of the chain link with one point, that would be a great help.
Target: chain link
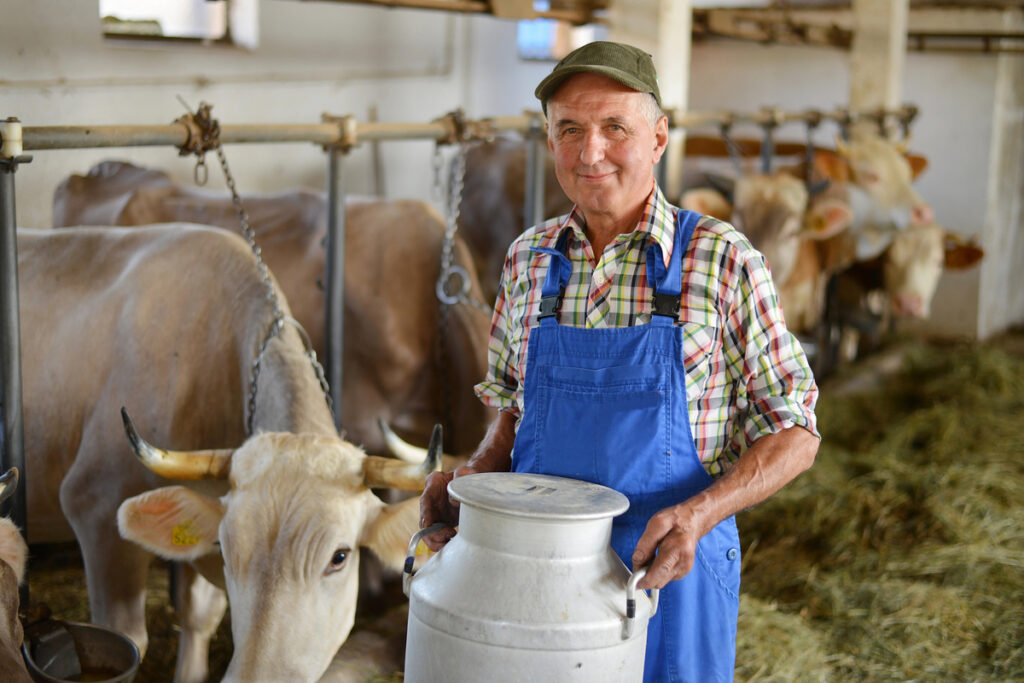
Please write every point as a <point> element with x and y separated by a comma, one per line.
<point>210,138</point>
<point>456,185</point>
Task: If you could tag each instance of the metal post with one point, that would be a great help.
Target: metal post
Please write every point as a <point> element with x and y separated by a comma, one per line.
<point>533,206</point>
<point>12,447</point>
<point>335,299</point>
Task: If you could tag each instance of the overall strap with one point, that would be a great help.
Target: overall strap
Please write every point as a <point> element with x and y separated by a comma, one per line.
<point>556,280</point>
<point>667,282</point>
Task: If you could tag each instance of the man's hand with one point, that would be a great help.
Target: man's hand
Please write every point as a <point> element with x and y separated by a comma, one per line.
<point>674,533</point>
<point>437,506</point>
<point>771,463</point>
<point>493,455</point>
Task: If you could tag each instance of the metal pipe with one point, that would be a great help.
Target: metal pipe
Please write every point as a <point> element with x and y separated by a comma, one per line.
<point>533,208</point>
<point>335,278</point>
<point>12,450</point>
<point>327,134</point>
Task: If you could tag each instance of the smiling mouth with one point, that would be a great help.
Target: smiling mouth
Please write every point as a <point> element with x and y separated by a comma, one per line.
<point>594,177</point>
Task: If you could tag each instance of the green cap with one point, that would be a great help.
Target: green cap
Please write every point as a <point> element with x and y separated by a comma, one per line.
<point>626,64</point>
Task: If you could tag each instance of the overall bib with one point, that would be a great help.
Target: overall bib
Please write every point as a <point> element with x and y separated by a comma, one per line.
<point>609,406</point>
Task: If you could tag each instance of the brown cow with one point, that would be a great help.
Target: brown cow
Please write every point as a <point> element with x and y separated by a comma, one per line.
<point>492,210</point>
<point>170,321</point>
<point>400,363</point>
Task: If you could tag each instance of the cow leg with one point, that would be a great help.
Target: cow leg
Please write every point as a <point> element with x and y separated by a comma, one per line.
<point>115,569</point>
<point>115,573</point>
<point>201,606</point>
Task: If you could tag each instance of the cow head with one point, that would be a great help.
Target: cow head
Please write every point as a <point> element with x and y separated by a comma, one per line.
<point>772,211</point>
<point>13,549</point>
<point>914,262</point>
<point>769,210</point>
<point>289,531</point>
<point>881,169</point>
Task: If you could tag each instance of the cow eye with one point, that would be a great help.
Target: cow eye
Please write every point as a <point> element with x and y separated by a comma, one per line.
<point>338,559</point>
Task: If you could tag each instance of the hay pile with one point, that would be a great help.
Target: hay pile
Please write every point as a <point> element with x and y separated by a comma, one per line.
<point>900,555</point>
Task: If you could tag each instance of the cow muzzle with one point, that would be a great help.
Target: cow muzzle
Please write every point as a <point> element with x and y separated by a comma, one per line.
<point>207,464</point>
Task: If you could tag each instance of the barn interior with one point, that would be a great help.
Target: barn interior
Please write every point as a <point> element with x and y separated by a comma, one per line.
<point>900,555</point>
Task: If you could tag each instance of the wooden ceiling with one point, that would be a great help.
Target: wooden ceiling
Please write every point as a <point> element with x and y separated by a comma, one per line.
<point>934,25</point>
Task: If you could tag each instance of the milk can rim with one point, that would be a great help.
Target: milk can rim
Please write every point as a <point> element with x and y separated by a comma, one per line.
<point>537,496</point>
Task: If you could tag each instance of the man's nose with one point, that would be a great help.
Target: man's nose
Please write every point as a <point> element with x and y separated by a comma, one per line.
<point>593,148</point>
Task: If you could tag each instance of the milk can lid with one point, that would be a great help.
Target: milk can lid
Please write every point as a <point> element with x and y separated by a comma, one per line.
<point>538,496</point>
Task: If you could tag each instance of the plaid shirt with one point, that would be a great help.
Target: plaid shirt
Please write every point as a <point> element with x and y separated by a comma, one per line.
<point>746,375</point>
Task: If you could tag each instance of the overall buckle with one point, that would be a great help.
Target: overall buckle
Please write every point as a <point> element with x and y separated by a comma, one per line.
<point>667,305</point>
<point>551,306</point>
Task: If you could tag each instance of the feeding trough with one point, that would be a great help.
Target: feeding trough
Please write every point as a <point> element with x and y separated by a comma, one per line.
<point>59,651</point>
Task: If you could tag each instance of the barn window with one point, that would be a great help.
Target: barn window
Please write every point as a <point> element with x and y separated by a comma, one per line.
<point>232,22</point>
<point>552,39</point>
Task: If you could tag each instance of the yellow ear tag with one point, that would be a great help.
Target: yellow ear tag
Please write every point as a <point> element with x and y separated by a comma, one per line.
<point>184,534</point>
<point>422,549</point>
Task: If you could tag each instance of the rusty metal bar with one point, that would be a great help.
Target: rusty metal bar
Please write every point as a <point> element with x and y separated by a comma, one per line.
<point>333,133</point>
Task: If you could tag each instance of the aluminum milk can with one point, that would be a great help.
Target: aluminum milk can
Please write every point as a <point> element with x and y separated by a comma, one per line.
<point>529,590</point>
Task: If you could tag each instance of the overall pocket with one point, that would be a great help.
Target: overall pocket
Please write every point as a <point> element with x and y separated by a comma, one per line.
<point>609,426</point>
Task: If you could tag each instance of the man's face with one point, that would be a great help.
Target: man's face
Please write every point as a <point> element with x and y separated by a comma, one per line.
<point>605,149</point>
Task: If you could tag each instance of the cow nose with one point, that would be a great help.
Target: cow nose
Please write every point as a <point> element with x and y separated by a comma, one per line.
<point>909,305</point>
<point>922,214</point>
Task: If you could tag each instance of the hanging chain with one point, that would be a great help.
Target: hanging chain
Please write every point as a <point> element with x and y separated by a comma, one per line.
<point>204,135</point>
<point>452,273</point>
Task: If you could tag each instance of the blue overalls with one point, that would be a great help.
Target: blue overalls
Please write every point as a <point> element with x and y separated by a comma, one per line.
<point>609,406</point>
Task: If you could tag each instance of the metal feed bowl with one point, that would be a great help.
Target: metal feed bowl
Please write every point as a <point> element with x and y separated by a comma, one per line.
<point>71,651</point>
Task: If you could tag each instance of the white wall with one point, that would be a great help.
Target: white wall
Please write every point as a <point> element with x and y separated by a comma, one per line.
<point>416,65</point>
<point>55,69</point>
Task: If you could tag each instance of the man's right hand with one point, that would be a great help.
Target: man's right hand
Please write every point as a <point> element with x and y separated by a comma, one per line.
<point>437,506</point>
<point>493,455</point>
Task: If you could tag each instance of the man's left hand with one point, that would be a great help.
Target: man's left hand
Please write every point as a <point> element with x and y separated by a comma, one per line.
<point>674,533</point>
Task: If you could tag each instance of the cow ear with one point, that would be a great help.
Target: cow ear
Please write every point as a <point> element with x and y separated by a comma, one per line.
<point>706,201</point>
<point>918,164</point>
<point>961,254</point>
<point>832,165</point>
<point>173,522</point>
<point>388,535</point>
<point>826,218</point>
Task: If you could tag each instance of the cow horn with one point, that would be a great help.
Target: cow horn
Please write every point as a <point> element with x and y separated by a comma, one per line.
<point>814,189</point>
<point>401,449</point>
<point>842,147</point>
<point>394,474</point>
<point>8,483</point>
<point>209,464</point>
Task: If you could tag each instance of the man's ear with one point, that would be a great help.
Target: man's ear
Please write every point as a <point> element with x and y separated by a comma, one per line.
<point>173,522</point>
<point>660,138</point>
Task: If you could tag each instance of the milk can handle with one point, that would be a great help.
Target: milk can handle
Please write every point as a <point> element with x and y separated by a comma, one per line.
<point>630,625</point>
<point>410,554</point>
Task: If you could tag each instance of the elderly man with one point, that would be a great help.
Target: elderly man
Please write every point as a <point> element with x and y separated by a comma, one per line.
<point>642,347</point>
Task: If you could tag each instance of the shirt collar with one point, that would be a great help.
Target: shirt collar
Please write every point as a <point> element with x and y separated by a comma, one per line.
<point>657,222</point>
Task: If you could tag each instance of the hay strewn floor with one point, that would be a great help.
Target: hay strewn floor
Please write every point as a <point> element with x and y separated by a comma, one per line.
<point>899,556</point>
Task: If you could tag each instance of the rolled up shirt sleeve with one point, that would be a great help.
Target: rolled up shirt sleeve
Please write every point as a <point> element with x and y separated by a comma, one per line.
<point>499,387</point>
<point>771,364</point>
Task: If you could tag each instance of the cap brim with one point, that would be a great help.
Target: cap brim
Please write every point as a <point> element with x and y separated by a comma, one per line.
<point>549,85</point>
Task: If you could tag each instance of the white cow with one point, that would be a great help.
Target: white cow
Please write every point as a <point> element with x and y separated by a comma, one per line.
<point>170,322</point>
<point>13,557</point>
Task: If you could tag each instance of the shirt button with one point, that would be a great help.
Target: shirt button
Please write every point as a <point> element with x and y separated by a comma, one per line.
<point>731,554</point>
